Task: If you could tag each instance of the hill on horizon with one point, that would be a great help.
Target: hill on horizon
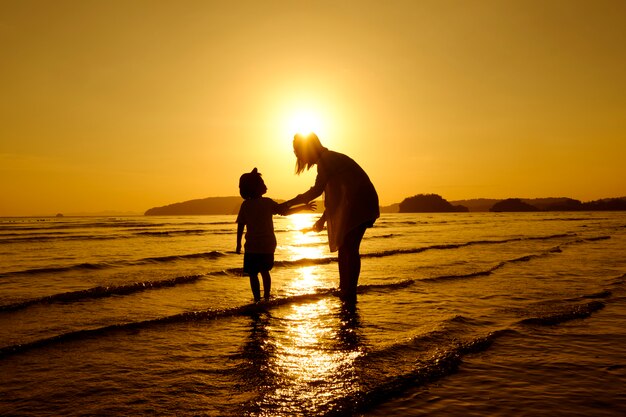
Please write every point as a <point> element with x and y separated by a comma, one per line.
<point>230,205</point>
<point>209,205</point>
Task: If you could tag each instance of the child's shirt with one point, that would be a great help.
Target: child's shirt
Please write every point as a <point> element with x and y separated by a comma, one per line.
<point>256,214</point>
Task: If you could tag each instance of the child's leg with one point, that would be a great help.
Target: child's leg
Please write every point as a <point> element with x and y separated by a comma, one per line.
<point>267,284</point>
<point>256,288</point>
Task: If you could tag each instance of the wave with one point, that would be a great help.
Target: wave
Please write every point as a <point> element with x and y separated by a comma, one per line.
<point>54,237</point>
<point>35,234</point>
<point>105,265</point>
<point>600,294</point>
<point>525,258</point>
<point>444,357</point>
<point>122,223</point>
<point>375,376</point>
<point>375,381</point>
<point>384,223</point>
<point>594,239</point>
<point>101,292</point>
<point>80,225</point>
<point>135,287</point>
<point>300,262</point>
<point>158,259</point>
<point>381,385</point>
<point>45,238</point>
<point>389,223</point>
<point>55,230</point>
<point>494,268</point>
<point>186,232</point>
<point>168,233</point>
<point>618,281</point>
<point>387,236</point>
<point>185,317</point>
<point>461,245</point>
<point>323,242</point>
<point>391,286</point>
<point>34,271</point>
<point>572,219</point>
<point>306,262</point>
<point>568,313</point>
<point>105,291</point>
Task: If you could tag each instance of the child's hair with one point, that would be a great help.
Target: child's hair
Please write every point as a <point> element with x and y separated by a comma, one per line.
<point>250,184</point>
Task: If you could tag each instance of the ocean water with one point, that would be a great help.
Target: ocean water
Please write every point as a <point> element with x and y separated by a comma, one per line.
<point>462,314</point>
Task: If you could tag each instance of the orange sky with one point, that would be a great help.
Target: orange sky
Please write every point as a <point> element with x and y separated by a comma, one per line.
<point>126,105</point>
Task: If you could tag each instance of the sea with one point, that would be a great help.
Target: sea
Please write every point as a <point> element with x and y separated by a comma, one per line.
<point>458,314</point>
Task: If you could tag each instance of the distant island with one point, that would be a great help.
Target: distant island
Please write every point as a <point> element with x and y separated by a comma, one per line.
<point>558,204</point>
<point>512,205</point>
<point>210,205</point>
<point>429,203</point>
<point>420,203</point>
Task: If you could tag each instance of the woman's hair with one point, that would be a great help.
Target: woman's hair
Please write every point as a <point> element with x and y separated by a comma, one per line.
<point>308,149</point>
<point>250,185</point>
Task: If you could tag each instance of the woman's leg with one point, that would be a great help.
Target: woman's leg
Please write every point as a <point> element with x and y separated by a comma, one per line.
<point>256,288</point>
<point>350,264</point>
<point>267,284</point>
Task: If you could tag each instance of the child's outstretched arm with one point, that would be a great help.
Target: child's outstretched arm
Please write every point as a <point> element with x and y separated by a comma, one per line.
<point>285,210</point>
<point>310,206</point>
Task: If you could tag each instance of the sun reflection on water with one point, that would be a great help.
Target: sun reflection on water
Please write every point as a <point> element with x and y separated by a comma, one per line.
<point>308,245</point>
<point>307,355</point>
<point>313,360</point>
<point>306,280</point>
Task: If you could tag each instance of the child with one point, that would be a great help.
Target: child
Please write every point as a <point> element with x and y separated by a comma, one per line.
<point>255,215</point>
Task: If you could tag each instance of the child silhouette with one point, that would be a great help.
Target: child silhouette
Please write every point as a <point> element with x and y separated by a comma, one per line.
<point>255,215</point>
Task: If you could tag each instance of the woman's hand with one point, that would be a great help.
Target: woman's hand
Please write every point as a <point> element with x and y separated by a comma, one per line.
<point>311,205</point>
<point>318,226</point>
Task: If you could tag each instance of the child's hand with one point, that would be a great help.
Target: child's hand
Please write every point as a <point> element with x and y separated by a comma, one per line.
<point>311,205</point>
<point>238,250</point>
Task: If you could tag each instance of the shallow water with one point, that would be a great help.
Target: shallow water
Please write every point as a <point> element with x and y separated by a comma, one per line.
<point>458,314</point>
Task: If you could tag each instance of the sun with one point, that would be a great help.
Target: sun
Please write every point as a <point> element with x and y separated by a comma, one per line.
<point>305,121</point>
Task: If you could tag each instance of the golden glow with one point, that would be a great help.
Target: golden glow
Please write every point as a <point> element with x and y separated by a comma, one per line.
<point>306,121</point>
<point>180,101</point>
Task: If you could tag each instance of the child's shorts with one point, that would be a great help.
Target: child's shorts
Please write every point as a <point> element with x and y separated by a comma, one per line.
<point>253,263</point>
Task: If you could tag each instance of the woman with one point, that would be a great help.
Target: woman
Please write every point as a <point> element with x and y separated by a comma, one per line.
<point>350,202</point>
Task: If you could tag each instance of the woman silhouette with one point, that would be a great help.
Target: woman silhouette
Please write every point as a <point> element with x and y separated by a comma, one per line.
<point>350,205</point>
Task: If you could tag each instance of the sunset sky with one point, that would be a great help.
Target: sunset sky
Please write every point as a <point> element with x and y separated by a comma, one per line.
<point>126,105</point>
